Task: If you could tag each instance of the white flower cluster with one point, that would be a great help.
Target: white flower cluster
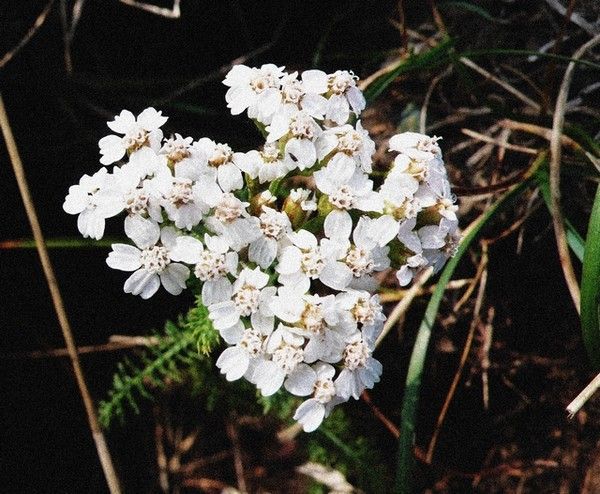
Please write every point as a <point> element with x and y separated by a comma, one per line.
<point>288,275</point>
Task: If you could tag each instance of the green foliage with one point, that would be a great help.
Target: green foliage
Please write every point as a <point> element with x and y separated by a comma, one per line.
<point>427,59</point>
<point>574,239</point>
<point>181,346</point>
<point>337,445</point>
<point>590,286</point>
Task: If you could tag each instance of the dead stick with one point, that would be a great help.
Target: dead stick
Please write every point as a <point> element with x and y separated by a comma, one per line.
<point>463,358</point>
<point>555,160</point>
<point>101,446</point>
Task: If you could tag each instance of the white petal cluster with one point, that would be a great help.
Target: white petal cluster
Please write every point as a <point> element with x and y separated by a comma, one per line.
<point>289,275</point>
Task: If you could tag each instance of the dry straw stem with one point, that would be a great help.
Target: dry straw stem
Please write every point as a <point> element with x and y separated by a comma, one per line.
<point>115,343</point>
<point>101,446</point>
<point>555,160</point>
<point>404,304</point>
<point>503,84</point>
<point>172,13</point>
<point>583,397</point>
<point>30,33</point>
<point>498,142</point>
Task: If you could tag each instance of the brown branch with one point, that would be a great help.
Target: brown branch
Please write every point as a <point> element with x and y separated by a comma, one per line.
<point>101,446</point>
<point>388,424</point>
<point>28,35</point>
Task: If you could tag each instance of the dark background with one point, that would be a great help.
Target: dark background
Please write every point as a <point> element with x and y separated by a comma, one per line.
<point>127,58</point>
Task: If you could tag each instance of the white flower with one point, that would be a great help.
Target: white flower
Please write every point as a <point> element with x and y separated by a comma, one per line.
<point>266,164</point>
<point>347,145</point>
<point>250,297</point>
<point>256,90</point>
<point>94,201</point>
<point>285,349</point>
<point>344,96</point>
<point>274,227</point>
<point>182,197</point>
<point>439,242</point>
<point>362,256</point>
<point>301,132</point>
<point>137,132</point>
<point>212,265</point>
<point>304,261</point>
<point>177,148</point>
<point>151,261</point>
<point>407,141</point>
<point>305,198</point>
<point>220,163</point>
<point>303,95</point>
<point>345,193</point>
<point>239,360</point>
<point>359,307</point>
<point>318,382</point>
<point>315,318</point>
<point>360,369</point>
<point>229,216</point>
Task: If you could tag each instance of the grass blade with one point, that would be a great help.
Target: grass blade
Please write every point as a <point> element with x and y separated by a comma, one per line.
<point>475,9</point>
<point>431,57</point>
<point>61,243</point>
<point>415,370</point>
<point>574,239</point>
<point>590,286</point>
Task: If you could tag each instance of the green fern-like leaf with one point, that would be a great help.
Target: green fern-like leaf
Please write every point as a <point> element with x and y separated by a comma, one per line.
<point>180,346</point>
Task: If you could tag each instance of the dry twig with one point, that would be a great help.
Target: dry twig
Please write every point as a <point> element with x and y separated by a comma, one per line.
<point>463,359</point>
<point>172,13</point>
<point>28,35</point>
<point>97,433</point>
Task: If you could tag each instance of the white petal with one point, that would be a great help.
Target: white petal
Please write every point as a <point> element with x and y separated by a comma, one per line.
<point>122,122</point>
<point>174,277</point>
<point>336,275</point>
<point>142,283</point>
<point>264,324</point>
<point>144,232</point>
<point>263,251</point>
<point>301,380</point>
<point>290,260</point>
<point>268,377</point>
<point>338,224</point>
<point>315,81</point>
<point>215,291</point>
<point>301,152</point>
<point>233,362</point>
<point>187,249</point>
<point>310,414</point>
<point>233,334</point>
<point>124,257</point>
<point>150,119</point>
<point>223,314</point>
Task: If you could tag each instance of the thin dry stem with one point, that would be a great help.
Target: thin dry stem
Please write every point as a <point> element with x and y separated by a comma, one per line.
<point>28,35</point>
<point>237,456</point>
<point>555,161</point>
<point>388,424</point>
<point>497,142</point>
<point>399,294</point>
<point>101,447</point>
<point>172,13</point>
<point>404,304</point>
<point>463,359</point>
<point>540,132</point>
<point>503,84</point>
